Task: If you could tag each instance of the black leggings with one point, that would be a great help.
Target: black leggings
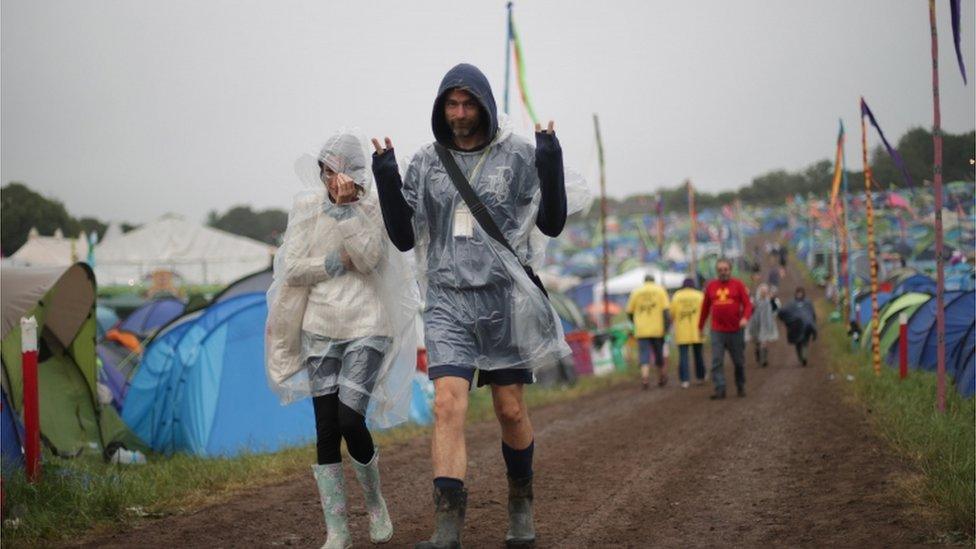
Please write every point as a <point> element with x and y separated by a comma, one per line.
<point>335,421</point>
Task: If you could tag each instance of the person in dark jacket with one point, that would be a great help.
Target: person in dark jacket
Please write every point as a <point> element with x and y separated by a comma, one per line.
<point>481,305</point>
<point>801,323</point>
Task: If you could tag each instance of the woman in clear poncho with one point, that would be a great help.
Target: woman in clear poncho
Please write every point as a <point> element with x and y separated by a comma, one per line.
<point>762,329</point>
<point>341,326</point>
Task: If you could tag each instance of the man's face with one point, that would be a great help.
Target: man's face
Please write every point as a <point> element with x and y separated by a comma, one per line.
<point>462,112</point>
<point>724,271</point>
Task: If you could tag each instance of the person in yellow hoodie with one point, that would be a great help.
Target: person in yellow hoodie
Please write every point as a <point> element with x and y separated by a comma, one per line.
<point>648,310</point>
<point>686,306</point>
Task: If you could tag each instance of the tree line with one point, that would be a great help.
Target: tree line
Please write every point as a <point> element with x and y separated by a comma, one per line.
<point>772,188</point>
<point>23,208</point>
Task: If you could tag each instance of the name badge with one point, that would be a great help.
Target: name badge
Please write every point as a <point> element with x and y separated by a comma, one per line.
<point>463,222</point>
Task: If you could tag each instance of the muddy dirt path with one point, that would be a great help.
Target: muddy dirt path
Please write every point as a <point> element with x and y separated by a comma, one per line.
<point>788,465</point>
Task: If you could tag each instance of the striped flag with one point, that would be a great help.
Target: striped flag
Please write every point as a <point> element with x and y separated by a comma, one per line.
<point>838,168</point>
<point>519,56</point>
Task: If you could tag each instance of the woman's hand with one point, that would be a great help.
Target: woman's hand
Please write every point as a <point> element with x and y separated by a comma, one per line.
<point>345,189</point>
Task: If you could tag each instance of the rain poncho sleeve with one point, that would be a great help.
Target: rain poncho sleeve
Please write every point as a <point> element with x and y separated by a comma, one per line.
<point>343,304</point>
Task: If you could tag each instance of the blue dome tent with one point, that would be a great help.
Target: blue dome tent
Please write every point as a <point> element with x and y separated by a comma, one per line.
<point>201,387</point>
<point>915,283</point>
<point>959,316</point>
<point>151,316</point>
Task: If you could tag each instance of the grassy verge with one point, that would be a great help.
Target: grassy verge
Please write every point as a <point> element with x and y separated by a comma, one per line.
<point>941,446</point>
<point>78,496</point>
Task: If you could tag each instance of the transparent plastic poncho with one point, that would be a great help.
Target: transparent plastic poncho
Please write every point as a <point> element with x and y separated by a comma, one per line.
<point>481,309</point>
<point>343,304</point>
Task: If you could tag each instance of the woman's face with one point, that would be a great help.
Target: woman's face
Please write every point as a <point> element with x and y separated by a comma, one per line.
<point>328,177</point>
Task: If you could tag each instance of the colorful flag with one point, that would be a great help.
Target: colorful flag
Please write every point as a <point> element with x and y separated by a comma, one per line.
<point>513,38</point>
<point>895,157</point>
<point>838,168</point>
<point>956,11</point>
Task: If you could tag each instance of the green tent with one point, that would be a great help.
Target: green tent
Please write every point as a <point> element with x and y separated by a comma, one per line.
<point>908,304</point>
<point>62,300</point>
<point>888,316</point>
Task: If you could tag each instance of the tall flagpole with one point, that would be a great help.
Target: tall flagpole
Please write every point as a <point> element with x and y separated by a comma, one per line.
<point>508,51</point>
<point>939,250</point>
<point>603,221</point>
<point>845,257</point>
<point>739,235</point>
<point>872,257</point>
<point>693,266</point>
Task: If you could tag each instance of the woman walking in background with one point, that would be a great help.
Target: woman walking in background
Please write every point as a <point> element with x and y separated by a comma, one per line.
<point>762,328</point>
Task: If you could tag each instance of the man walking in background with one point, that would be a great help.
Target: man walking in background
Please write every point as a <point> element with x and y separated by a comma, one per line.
<point>648,310</point>
<point>801,323</point>
<point>727,302</point>
<point>686,306</point>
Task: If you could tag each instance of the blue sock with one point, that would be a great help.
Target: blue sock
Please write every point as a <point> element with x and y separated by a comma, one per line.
<point>518,462</point>
<point>448,483</point>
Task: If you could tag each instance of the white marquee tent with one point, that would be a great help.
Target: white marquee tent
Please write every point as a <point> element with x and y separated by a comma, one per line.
<point>629,281</point>
<point>197,254</point>
<point>51,251</point>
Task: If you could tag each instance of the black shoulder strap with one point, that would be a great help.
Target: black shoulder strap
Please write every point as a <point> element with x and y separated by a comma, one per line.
<point>477,207</point>
<point>479,211</point>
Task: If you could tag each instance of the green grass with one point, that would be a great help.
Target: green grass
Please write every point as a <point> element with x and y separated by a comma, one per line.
<point>86,495</point>
<point>903,412</point>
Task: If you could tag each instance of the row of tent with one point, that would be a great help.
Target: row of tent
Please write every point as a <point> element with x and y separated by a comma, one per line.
<point>198,386</point>
<point>920,310</point>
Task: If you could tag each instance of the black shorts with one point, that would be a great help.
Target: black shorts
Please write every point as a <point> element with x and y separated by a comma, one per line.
<point>505,376</point>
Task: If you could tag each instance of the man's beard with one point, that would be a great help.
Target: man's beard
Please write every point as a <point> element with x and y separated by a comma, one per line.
<point>463,129</point>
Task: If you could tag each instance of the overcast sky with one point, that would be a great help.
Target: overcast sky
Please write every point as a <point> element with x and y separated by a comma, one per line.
<point>127,110</point>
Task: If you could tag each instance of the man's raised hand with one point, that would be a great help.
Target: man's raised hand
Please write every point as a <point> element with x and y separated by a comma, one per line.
<point>379,148</point>
<point>538,129</point>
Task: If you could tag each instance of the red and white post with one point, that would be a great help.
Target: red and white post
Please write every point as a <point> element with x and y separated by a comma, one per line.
<point>32,419</point>
<point>902,346</point>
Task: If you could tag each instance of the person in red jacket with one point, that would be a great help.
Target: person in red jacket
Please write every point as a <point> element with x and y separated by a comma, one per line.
<point>727,301</point>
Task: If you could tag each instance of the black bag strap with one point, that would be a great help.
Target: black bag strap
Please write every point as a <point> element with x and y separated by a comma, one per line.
<point>478,209</point>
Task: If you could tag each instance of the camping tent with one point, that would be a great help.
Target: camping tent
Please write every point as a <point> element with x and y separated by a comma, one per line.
<point>62,300</point>
<point>105,319</point>
<point>959,316</point>
<point>11,435</point>
<point>198,254</point>
<point>864,307</point>
<point>151,316</point>
<point>201,386</point>
<point>906,303</point>
<point>915,283</point>
<point>254,282</point>
<point>919,324</point>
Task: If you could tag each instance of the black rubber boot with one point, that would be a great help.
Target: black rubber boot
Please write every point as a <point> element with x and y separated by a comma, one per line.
<point>741,390</point>
<point>449,510</point>
<point>521,530</point>
<point>719,394</point>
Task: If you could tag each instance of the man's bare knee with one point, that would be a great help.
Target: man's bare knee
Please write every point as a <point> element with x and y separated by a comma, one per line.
<point>449,408</point>
<point>511,412</point>
<point>509,408</point>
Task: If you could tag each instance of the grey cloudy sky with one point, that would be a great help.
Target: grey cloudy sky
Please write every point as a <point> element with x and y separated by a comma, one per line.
<point>127,110</point>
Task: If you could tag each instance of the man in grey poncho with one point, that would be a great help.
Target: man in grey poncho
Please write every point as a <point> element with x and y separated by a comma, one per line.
<point>470,320</point>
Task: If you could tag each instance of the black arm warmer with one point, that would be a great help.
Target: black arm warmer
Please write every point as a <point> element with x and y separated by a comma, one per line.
<point>397,214</point>
<point>549,163</point>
